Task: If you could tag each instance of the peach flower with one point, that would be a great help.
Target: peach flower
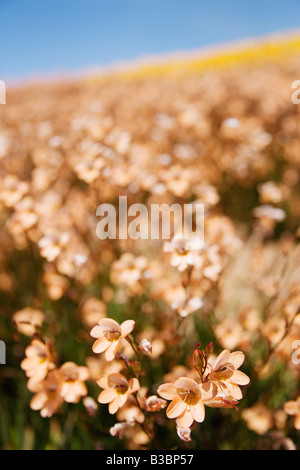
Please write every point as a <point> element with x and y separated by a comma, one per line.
<point>72,386</point>
<point>293,408</point>
<point>188,398</point>
<point>28,320</point>
<point>38,361</point>
<point>47,399</point>
<point>109,333</point>
<point>225,375</point>
<point>258,418</point>
<point>116,390</point>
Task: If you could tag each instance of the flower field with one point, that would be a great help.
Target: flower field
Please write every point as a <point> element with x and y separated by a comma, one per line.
<point>148,344</point>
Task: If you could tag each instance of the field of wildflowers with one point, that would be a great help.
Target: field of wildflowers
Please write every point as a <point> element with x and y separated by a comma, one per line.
<point>146,344</point>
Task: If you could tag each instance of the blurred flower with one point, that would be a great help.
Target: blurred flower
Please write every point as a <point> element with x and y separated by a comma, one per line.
<point>145,346</point>
<point>153,403</point>
<point>72,386</point>
<point>90,405</point>
<point>51,245</point>
<point>293,408</point>
<point>258,418</point>
<point>184,434</point>
<point>119,429</point>
<point>185,252</point>
<point>28,320</point>
<point>38,361</point>
<point>47,399</point>
<point>56,285</point>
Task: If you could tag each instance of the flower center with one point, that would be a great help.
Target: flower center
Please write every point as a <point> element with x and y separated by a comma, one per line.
<point>112,335</point>
<point>120,389</point>
<point>190,397</point>
<point>225,373</point>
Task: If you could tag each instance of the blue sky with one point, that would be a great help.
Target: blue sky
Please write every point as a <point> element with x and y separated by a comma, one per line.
<point>40,37</point>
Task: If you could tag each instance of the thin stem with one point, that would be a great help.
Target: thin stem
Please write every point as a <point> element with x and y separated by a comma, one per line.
<point>276,345</point>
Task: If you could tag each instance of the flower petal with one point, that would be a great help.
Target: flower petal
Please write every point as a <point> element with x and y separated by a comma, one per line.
<point>239,378</point>
<point>198,412</point>
<point>102,381</point>
<point>221,359</point>
<point>97,332</point>
<point>134,385</point>
<point>176,408</point>
<point>185,420</point>
<point>107,395</point>
<point>100,345</point>
<point>111,351</point>
<point>167,391</point>
<point>236,358</point>
<point>113,406</point>
<point>127,327</point>
<point>109,324</point>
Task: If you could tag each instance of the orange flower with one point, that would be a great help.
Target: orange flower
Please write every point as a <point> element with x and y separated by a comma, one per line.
<point>293,408</point>
<point>188,398</point>
<point>72,386</point>
<point>116,390</point>
<point>38,361</point>
<point>47,399</point>
<point>109,334</point>
<point>225,375</point>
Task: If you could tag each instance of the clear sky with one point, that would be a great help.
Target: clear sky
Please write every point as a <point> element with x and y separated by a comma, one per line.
<point>40,37</point>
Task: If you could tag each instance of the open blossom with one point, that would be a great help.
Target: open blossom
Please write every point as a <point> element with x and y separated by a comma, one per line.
<point>223,372</point>
<point>38,361</point>
<point>109,333</point>
<point>188,398</point>
<point>28,320</point>
<point>47,399</point>
<point>116,391</point>
<point>293,408</point>
<point>184,252</point>
<point>72,386</point>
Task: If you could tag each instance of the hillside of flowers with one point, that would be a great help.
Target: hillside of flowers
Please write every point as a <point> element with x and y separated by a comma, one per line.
<point>146,344</point>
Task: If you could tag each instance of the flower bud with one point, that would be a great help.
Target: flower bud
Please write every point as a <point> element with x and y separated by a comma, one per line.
<point>209,349</point>
<point>198,360</point>
<point>136,368</point>
<point>145,346</point>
